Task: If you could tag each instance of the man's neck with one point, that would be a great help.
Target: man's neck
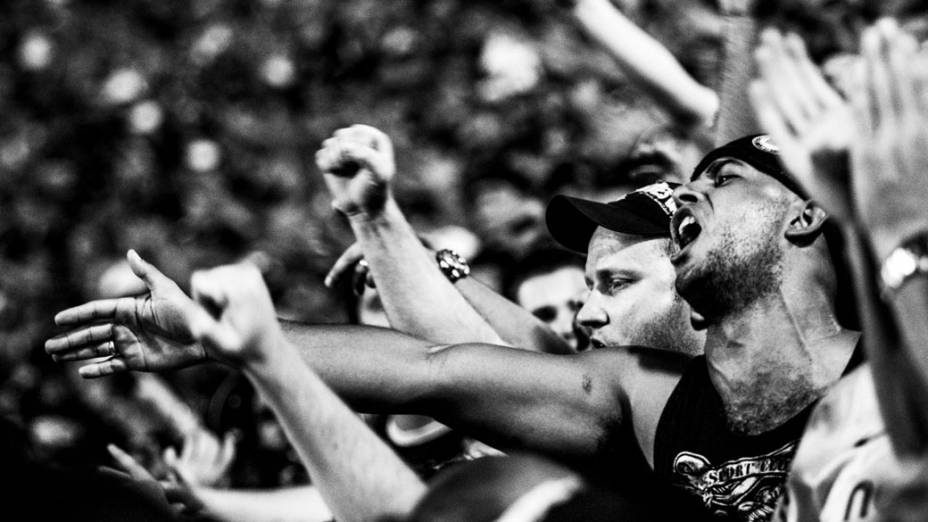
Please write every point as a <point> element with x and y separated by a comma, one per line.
<point>771,360</point>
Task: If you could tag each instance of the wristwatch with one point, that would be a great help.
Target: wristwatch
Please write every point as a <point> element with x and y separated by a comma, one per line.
<point>452,264</point>
<point>907,260</point>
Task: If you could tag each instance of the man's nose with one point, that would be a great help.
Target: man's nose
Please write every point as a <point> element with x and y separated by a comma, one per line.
<point>687,193</point>
<point>592,315</point>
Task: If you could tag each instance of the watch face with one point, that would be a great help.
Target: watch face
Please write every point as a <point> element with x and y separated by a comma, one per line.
<point>452,265</point>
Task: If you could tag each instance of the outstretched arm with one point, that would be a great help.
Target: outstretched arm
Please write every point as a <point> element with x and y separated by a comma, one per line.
<point>506,397</point>
<point>416,296</point>
<point>648,63</point>
<point>512,398</point>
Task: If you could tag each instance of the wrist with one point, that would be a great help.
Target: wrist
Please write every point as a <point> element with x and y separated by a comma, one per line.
<point>452,264</point>
<point>378,214</point>
<point>266,350</point>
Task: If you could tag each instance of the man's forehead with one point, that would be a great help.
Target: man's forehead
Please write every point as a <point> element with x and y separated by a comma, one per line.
<point>605,241</point>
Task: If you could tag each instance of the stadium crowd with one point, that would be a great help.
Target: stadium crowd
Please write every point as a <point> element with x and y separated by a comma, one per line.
<point>441,260</point>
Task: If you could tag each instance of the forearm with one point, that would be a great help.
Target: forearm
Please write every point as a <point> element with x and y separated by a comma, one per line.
<point>516,325</point>
<point>900,389</point>
<point>647,62</point>
<point>910,307</point>
<point>296,504</point>
<point>374,369</point>
<point>735,117</point>
<point>357,474</point>
<point>506,397</point>
<point>416,296</point>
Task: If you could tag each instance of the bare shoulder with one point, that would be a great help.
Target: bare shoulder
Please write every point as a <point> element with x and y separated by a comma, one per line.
<point>638,368</point>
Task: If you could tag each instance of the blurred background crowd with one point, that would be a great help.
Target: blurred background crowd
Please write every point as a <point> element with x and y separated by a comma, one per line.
<point>186,130</point>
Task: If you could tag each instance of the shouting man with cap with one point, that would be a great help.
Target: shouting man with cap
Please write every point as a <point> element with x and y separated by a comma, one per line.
<point>749,256</point>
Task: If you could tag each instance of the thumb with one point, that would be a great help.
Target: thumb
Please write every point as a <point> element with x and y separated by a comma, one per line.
<point>145,270</point>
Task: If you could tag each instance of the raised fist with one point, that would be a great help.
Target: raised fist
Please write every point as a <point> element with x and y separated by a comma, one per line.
<point>357,163</point>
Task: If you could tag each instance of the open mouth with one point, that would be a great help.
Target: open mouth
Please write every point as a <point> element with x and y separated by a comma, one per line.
<point>685,229</point>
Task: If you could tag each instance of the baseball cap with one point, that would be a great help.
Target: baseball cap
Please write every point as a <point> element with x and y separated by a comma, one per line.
<point>760,152</point>
<point>643,212</point>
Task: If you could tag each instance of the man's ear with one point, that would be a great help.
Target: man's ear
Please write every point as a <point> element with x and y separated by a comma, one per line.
<point>807,224</point>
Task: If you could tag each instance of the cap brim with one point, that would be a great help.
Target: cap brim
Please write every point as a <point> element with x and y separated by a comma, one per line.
<point>572,221</point>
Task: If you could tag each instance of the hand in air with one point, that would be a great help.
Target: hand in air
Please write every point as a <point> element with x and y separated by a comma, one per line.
<point>890,155</point>
<point>807,119</point>
<point>203,460</point>
<point>358,166</point>
<point>174,490</point>
<point>143,333</point>
<point>236,319</point>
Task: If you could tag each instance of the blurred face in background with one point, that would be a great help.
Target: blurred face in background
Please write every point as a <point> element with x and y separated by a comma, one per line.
<point>554,298</point>
<point>505,218</point>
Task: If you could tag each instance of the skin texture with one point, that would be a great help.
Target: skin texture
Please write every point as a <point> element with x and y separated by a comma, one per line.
<point>554,298</point>
<point>632,301</point>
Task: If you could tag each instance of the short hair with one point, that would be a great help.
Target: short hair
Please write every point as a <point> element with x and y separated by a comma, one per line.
<point>541,259</point>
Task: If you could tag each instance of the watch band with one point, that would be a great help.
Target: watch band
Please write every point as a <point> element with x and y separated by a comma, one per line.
<point>907,260</point>
<point>452,264</point>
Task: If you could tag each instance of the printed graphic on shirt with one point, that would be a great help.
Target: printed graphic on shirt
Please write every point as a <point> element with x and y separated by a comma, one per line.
<point>742,489</point>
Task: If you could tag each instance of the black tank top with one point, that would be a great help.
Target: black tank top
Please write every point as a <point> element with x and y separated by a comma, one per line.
<point>734,476</point>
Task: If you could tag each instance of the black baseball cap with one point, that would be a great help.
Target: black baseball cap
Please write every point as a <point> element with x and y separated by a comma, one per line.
<point>643,212</point>
<point>760,152</point>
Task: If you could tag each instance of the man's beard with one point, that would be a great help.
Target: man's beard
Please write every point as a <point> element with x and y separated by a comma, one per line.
<point>737,273</point>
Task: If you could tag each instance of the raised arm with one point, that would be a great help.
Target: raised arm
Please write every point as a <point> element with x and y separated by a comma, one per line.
<point>888,178</point>
<point>358,166</point>
<point>876,197</point>
<point>648,63</point>
<point>356,472</point>
<point>735,118</point>
<point>514,324</point>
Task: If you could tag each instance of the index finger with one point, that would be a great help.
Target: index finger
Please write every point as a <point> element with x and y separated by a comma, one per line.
<point>89,312</point>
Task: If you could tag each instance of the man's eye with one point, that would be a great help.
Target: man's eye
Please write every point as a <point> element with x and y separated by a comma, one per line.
<point>723,179</point>
<point>618,284</point>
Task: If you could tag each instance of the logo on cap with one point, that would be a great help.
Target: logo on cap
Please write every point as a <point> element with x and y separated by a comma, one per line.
<point>662,194</point>
<point>765,144</point>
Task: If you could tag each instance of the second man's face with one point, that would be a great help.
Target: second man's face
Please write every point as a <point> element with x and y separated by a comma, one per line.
<point>632,299</point>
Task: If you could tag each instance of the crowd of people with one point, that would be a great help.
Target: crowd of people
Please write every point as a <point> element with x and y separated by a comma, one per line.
<point>722,321</point>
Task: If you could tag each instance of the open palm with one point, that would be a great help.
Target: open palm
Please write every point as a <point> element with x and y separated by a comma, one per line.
<point>145,333</point>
